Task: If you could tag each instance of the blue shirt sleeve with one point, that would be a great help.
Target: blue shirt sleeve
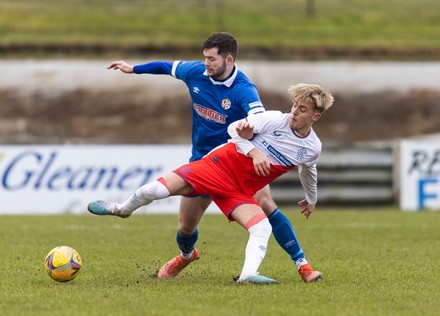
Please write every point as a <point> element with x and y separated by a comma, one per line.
<point>185,69</point>
<point>155,68</point>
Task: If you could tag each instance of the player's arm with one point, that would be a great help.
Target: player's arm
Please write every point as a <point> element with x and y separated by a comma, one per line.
<point>250,101</point>
<point>122,66</point>
<point>245,129</point>
<point>260,161</point>
<point>242,142</point>
<point>241,132</point>
<point>155,67</point>
<point>308,176</point>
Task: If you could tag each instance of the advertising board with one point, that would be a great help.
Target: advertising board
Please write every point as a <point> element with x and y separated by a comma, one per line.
<point>420,174</point>
<point>56,179</point>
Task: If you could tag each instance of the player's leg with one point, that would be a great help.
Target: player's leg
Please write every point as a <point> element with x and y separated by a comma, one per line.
<point>281,227</point>
<point>251,217</point>
<point>284,234</point>
<point>190,213</point>
<point>170,184</point>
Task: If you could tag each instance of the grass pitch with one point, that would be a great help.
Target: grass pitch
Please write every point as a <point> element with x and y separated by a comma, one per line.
<point>396,24</point>
<point>374,262</point>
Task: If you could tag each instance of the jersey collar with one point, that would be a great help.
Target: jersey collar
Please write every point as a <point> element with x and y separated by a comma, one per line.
<point>228,82</point>
<point>301,136</point>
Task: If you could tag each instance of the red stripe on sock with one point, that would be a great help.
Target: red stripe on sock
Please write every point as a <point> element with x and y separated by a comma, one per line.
<point>162,180</point>
<point>255,220</point>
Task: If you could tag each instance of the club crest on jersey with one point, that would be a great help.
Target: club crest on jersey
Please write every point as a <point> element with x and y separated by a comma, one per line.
<point>301,154</point>
<point>226,104</point>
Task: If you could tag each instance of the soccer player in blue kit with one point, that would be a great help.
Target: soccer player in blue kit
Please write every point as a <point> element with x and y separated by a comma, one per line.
<point>220,94</point>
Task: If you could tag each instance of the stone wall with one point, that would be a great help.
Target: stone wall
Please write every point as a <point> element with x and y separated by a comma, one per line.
<point>83,102</point>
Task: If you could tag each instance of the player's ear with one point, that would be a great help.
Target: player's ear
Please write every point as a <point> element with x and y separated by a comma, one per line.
<point>316,116</point>
<point>229,59</point>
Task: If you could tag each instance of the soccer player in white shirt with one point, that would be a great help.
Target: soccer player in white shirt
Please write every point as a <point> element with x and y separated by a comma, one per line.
<point>262,148</point>
<point>220,94</point>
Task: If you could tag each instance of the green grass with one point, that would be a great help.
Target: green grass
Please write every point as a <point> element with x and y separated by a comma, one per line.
<point>335,23</point>
<point>374,262</point>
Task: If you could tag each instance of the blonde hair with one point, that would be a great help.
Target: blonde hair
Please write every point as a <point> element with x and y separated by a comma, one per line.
<point>322,99</point>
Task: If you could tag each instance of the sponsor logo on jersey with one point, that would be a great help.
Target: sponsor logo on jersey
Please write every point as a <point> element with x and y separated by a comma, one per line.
<point>196,90</point>
<point>209,114</point>
<point>226,104</point>
<point>279,156</point>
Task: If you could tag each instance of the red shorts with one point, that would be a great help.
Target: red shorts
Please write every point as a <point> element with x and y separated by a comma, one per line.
<point>228,177</point>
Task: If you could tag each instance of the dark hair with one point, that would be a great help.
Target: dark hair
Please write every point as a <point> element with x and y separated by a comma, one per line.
<point>224,42</point>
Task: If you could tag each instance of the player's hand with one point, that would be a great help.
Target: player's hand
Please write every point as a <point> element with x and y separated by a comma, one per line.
<point>245,130</point>
<point>261,162</point>
<point>307,208</point>
<point>122,66</point>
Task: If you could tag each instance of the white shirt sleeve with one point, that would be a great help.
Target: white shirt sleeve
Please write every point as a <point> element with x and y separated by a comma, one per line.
<point>262,122</point>
<point>244,146</point>
<point>309,180</point>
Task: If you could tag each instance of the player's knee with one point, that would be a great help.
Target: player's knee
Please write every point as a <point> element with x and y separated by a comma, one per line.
<point>152,191</point>
<point>266,202</point>
<point>190,213</point>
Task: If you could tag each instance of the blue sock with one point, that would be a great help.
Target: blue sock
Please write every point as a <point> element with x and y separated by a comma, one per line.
<point>186,244</point>
<point>284,234</point>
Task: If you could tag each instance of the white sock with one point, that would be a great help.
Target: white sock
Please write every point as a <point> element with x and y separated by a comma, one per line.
<point>186,256</point>
<point>144,196</point>
<point>256,248</point>
<point>300,262</point>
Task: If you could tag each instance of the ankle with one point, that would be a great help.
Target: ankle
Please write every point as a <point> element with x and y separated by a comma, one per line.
<point>186,255</point>
<point>301,262</point>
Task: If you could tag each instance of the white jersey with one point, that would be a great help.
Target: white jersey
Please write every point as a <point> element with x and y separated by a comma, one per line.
<point>274,138</point>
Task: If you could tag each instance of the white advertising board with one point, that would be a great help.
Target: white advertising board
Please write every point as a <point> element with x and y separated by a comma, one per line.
<point>46,179</point>
<point>420,175</point>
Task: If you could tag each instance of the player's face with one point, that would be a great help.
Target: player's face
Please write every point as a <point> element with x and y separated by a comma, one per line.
<point>303,115</point>
<point>215,64</point>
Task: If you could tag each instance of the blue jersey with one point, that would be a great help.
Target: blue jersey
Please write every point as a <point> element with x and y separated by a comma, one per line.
<point>215,104</point>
